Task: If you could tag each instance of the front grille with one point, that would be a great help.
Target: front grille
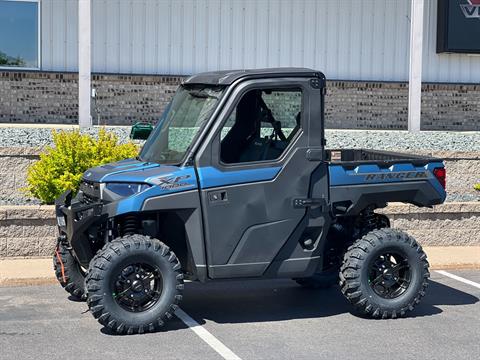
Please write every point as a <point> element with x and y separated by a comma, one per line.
<point>90,191</point>
<point>89,199</point>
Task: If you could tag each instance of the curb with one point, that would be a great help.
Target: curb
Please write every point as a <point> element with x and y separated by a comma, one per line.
<point>39,271</point>
<point>21,271</point>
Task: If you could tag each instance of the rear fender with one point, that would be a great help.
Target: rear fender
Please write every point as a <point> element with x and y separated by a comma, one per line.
<point>354,189</point>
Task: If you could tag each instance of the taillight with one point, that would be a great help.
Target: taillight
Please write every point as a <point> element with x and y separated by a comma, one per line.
<point>441,175</point>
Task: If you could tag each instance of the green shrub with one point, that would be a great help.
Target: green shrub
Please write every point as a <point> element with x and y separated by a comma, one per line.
<point>60,167</point>
<point>476,187</point>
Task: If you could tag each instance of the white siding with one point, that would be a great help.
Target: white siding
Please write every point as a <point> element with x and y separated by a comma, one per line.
<point>59,35</point>
<point>347,39</point>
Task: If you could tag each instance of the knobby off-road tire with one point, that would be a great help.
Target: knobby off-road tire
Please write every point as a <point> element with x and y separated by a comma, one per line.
<point>129,304</point>
<point>73,277</point>
<point>364,270</point>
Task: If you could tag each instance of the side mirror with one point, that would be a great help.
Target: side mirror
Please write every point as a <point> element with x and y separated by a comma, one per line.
<point>140,131</point>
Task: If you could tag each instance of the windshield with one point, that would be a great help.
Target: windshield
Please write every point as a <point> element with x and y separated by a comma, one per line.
<point>180,124</point>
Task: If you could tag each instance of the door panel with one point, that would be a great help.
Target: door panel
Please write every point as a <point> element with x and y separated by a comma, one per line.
<point>250,221</point>
<point>246,232</point>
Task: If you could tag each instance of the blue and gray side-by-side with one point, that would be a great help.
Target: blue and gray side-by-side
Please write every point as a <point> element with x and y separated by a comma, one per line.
<point>168,179</point>
<point>246,206</point>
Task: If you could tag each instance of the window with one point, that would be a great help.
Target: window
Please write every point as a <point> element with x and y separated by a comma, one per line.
<point>19,34</point>
<point>180,124</point>
<point>261,126</point>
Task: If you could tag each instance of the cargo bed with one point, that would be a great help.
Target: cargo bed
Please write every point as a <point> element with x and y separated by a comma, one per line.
<point>359,177</point>
<point>355,157</point>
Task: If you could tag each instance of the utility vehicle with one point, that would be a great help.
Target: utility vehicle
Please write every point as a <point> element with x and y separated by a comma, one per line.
<point>235,182</point>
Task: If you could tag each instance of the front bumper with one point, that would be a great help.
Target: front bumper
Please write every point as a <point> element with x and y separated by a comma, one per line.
<point>75,221</point>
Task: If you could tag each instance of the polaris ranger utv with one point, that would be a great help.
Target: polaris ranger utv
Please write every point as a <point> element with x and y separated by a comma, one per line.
<point>235,182</point>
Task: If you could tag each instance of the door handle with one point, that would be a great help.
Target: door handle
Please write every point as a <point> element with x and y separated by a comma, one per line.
<point>217,197</point>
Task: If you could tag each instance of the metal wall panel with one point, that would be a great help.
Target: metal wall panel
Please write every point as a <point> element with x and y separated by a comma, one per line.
<point>59,35</point>
<point>347,39</point>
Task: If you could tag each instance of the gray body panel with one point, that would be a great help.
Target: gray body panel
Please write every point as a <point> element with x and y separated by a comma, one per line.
<point>187,206</point>
<point>258,226</point>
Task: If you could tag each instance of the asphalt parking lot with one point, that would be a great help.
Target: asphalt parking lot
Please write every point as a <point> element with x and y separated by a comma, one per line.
<point>249,320</point>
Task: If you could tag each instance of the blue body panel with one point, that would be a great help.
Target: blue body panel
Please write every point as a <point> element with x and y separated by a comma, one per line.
<point>212,177</point>
<point>168,179</point>
<point>164,179</point>
<point>341,176</point>
<point>163,183</point>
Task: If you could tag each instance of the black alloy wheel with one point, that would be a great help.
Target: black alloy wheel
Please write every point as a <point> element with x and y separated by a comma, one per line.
<point>389,275</point>
<point>384,274</point>
<point>134,284</point>
<point>138,287</point>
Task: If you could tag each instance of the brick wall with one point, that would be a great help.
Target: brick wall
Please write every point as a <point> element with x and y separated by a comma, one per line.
<point>36,97</point>
<point>40,97</point>
<point>122,99</point>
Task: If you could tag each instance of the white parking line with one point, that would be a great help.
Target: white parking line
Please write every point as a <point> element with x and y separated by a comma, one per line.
<point>206,336</point>
<point>458,278</point>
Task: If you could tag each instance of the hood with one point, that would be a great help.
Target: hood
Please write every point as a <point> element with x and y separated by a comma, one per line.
<point>130,170</point>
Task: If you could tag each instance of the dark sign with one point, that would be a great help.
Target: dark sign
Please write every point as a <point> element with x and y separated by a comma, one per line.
<point>458,26</point>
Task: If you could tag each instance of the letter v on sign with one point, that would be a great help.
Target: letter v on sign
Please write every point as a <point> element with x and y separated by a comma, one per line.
<point>472,9</point>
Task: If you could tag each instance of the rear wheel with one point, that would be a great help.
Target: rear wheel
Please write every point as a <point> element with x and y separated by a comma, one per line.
<point>384,274</point>
<point>134,284</point>
<point>69,273</point>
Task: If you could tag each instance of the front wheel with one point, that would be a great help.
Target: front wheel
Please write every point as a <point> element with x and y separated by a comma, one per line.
<point>384,274</point>
<point>134,285</point>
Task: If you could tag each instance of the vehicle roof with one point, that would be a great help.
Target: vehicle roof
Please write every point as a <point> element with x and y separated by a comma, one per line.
<point>227,77</point>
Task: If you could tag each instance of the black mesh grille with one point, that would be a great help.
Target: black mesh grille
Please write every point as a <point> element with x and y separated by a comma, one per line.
<point>90,191</point>
<point>89,199</point>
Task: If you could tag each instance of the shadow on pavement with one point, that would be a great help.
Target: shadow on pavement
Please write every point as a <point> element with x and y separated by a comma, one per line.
<point>278,300</point>
<point>171,325</point>
<point>439,294</point>
<point>258,301</point>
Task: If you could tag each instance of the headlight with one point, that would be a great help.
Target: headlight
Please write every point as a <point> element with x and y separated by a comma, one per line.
<point>126,189</point>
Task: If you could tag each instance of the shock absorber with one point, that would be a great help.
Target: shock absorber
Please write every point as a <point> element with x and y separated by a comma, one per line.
<point>129,225</point>
<point>369,219</point>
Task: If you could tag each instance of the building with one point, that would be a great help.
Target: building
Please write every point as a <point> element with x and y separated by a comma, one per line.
<point>141,49</point>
